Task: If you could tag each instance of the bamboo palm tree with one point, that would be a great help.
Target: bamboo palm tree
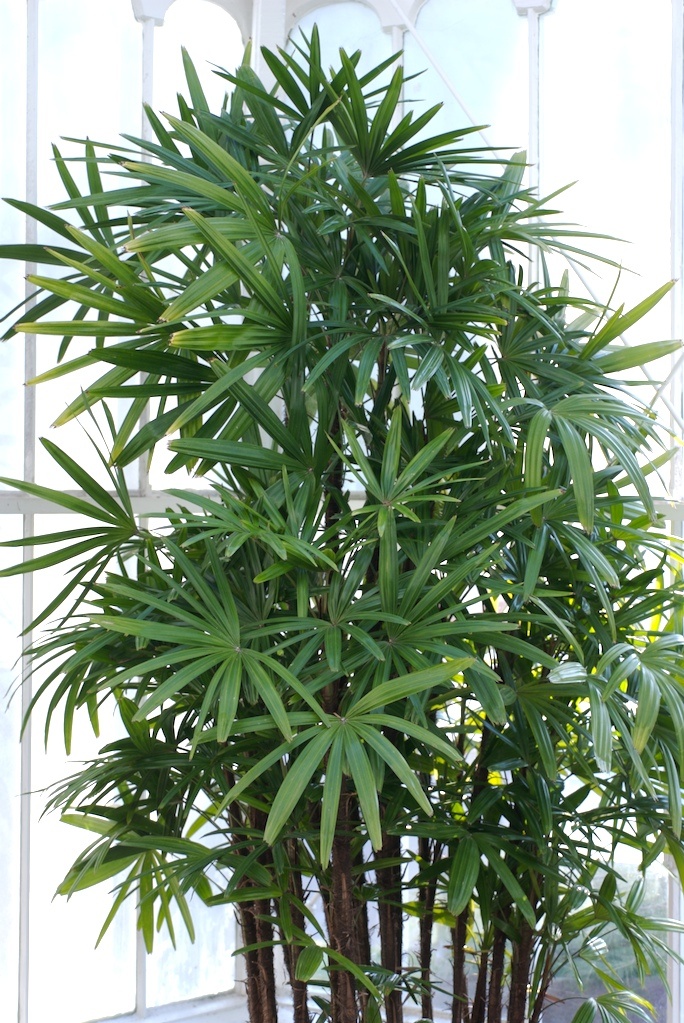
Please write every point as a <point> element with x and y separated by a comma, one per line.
<point>415,650</point>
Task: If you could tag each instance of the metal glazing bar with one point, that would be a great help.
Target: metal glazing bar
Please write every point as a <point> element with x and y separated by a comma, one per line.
<point>677,234</point>
<point>675,899</point>
<point>147,75</point>
<point>147,86</point>
<point>533,170</point>
<point>269,29</point>
<point>28,519</point>
<point>397,33</point>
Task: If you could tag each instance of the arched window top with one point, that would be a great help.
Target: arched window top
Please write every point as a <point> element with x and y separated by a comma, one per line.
<point>156,10</point>
<point>213,38</point>
<point>390,13</point>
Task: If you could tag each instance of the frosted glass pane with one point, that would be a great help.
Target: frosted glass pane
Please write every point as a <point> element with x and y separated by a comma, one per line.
<point>52,398</point>
<point>563,991</point>
<point>609,131</point>
<point>64,932</point>
<point>10,781</point>
<point>192,970</point>
<point>89,85</point>
<point>12,173</point>
<point>481,47</point>
<point>211,37</point>
<point>11,392</point>
<point>89,77</point>
<point>347,26</point>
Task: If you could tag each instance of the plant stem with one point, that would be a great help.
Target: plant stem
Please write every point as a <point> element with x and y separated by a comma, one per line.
<point>261,999</point>
<point>520,974</point>
<point>459,1008</point>
<point>361,924</point>
<point>341,928</point>
<point>543,988</point>
<point>292,951</point>
<point>480,996</point>
<point>390,919</point>
<point>426,896</point>
<point>496,977</point>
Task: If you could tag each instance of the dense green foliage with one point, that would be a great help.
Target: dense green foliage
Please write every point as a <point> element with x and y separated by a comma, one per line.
<point>416,651</point>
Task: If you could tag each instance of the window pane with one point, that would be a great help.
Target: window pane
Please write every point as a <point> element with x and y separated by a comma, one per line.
<point>89,77</point>
<point>64,932</point>
<point>10,768</point>
<point>347,26</point>
<point>563,996</point>
<point>206,967</point>
<point>608,130</point>
<point>12,175</point>
<point>481,46</point>
<point>211,37</point>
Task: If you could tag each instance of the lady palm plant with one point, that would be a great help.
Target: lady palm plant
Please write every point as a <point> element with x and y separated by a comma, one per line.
<point>414,651</point>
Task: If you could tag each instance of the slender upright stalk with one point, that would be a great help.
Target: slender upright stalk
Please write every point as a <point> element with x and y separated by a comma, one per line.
<point>341,929</point>
<point>460,1009</point>
<point>494,1001</point>
<point>428,854</point>
<point>480,996</point>
<point>544,985</point>
<point>261,1000</point>
<point>520,974</point>
<point>390,919</point>
<point>292,950</point>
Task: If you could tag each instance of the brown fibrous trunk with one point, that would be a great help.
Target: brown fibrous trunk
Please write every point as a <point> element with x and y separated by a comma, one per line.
<point>494,1002</point>
<point>426,897</point>
<point>459,1007</point>
<point>520,974</point>
<point>340,902</point>
<point>390,919</point>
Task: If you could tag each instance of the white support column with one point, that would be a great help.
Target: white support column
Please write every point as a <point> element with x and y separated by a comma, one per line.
<point>533,11</point>
<point>533,94</point>
<point>269,29</point>
<point>677,247</point>
<point>397,32</point>
<point>150,13</point>
<point>674,969</point>
<point>675,897</point>
<point>29,467</point>
<point>147,89</point>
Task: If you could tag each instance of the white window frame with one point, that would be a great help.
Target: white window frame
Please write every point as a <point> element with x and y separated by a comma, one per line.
<point>268,23</point>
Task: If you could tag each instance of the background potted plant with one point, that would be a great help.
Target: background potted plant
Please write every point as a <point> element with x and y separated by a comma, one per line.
<point>416,654</point>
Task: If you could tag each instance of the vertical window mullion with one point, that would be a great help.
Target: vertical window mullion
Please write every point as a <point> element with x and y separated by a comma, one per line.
<point>269,21</point>
<point>675,895</point>
<point>533,146</point>
<point>148,25</point>
<point>29,465</point>
<point>677,242</point>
